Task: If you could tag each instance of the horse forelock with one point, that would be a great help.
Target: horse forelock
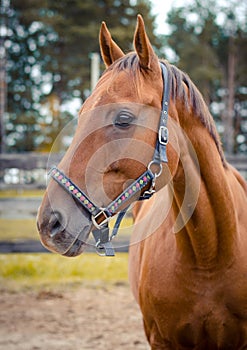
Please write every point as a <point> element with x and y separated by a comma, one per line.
<point>181,87</point>
<point>129,64</point>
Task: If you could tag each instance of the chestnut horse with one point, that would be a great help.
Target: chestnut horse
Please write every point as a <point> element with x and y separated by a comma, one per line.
<point>187,260</point>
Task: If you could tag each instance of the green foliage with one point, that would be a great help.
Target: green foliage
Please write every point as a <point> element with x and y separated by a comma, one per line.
<point>204,45</point>
<point>49,44</point>
<point>194,41</point>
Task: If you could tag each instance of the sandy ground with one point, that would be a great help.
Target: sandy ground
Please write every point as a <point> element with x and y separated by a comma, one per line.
<point>85,317</point>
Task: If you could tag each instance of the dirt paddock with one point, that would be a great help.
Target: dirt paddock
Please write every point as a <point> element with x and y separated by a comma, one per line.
<point>86,317</point>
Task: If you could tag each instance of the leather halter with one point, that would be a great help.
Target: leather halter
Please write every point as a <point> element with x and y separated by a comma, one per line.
<point>101,216</point>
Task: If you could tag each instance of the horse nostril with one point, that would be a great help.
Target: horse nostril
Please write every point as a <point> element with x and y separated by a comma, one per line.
<point>55,229</point>
<point>55,224</point>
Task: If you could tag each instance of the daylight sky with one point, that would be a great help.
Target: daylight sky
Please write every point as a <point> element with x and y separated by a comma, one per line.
<point>161,8</point>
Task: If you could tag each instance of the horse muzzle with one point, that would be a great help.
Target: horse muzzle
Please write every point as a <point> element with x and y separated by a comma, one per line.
<point>63,232</point>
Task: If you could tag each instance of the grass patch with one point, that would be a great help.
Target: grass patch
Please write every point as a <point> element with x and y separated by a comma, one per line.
<point>11,229</point>
<point>21,193</point>
<point>20,271</point>
<point>19,229</point>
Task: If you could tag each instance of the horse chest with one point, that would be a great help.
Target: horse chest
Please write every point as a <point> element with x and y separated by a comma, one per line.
<point>196,314</point>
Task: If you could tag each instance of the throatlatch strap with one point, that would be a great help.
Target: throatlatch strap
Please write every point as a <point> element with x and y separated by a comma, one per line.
<point>103,241</point>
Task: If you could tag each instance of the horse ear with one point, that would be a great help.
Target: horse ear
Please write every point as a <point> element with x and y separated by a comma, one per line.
<point>143,46</point>
<point>110,51</point>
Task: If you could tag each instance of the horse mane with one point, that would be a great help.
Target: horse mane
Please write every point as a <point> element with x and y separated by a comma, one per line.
<point>191,98</point>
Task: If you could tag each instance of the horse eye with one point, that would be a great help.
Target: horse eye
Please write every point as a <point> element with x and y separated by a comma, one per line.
<point>123,119</point>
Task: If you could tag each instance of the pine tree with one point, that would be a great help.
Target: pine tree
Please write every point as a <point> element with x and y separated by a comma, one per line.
<point>49,58</point>
<point>213,53</point>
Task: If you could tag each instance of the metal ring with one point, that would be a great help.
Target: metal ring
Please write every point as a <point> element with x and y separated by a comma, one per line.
<point>156,163</point>
<point>97,249</point>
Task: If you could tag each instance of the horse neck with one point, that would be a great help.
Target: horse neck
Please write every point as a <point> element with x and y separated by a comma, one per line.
<point>206,236</point>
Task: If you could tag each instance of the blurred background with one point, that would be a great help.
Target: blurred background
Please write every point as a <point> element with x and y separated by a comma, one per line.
<point>49,63</point>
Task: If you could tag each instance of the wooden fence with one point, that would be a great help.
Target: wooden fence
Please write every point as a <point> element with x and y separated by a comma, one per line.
<point>28,161</point>
<point>28,170</point>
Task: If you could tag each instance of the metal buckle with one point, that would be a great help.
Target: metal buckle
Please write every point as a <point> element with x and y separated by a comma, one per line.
<point>163,135</point>
<point>105,219</point>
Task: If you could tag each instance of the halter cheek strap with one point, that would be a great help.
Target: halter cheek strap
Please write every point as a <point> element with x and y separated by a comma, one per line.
<point>101,216</point>
<point>160,154</point>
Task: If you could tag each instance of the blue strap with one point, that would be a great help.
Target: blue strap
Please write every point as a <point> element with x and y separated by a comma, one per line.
<point>160,154</point>
<point>118,222</point>
<point>102,239</point>
<point>103,243</point>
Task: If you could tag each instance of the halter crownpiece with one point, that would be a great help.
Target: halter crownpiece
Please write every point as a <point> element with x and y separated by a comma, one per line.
<point>101,216</point>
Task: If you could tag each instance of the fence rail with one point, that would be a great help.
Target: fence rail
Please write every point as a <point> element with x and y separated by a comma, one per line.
<point>28,170</point>
<point>19,208</point>
<point>239,162</point>
<point>28,161</point>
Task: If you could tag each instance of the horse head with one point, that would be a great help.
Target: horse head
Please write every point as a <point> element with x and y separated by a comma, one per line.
<point>113,144</point>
